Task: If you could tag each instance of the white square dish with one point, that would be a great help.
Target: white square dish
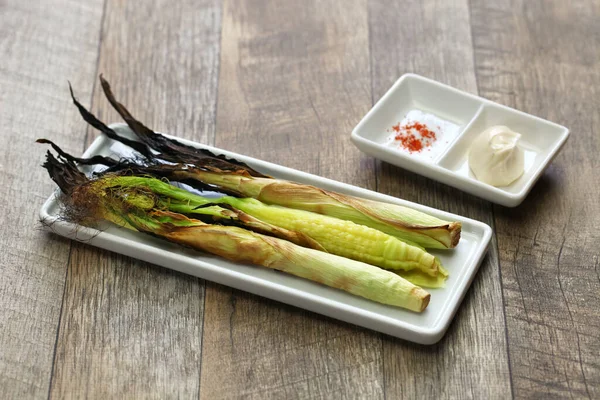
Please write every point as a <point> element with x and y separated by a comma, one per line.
<point>541,140</point>
<point>427,327</point>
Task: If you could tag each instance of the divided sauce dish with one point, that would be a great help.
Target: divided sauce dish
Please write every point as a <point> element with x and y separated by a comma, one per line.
<point>471,115</point>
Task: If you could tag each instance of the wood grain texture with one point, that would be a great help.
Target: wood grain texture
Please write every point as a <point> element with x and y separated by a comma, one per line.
<point>542,57</point>
<point>129,329</point>
<point>433,39</point>
<point>296,77</point>
<point>294,81</point>
<point>42,45</point>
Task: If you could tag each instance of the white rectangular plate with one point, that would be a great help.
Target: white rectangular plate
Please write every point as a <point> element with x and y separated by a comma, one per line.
<point>426,328</point>
<point>541,140</point>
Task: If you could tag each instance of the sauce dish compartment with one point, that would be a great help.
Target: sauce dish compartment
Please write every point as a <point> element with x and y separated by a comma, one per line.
<point>540,140</point>
<point>412,92</point>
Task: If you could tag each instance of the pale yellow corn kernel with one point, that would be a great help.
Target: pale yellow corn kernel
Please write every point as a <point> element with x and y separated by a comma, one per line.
<point>344,238</point>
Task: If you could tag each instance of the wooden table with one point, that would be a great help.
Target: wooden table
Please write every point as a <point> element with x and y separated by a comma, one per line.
<point>286,82</point>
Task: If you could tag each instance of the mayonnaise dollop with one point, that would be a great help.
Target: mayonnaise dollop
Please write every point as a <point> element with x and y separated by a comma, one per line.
<point>495,157</point>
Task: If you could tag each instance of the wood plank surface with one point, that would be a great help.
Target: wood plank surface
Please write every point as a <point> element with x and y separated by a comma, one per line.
<point>286,82</point>
<point>42,44</point>
<point>542,57</point>
<point>130,329</point>
<point>294,80</point>
<point>433,39</point>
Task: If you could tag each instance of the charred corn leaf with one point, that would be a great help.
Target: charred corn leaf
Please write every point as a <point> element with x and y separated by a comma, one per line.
<point>234,176</point>
<point>138,207</point>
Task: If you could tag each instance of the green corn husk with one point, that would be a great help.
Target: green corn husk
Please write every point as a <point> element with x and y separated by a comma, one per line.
<point>138,208</point>
<point>412,226</point>
<point>340,237</point>
<point>237,178</point>
<point>243,246</point>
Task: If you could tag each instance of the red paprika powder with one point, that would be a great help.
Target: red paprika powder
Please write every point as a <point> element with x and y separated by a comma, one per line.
<point>414,136</point>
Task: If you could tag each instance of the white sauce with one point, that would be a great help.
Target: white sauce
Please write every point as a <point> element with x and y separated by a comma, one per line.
<point>445,133</point>
<point>495,157</point>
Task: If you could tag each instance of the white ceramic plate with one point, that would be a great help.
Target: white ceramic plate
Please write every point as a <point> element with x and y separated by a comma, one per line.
<point>541,139</point>
<point>427,327</point>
